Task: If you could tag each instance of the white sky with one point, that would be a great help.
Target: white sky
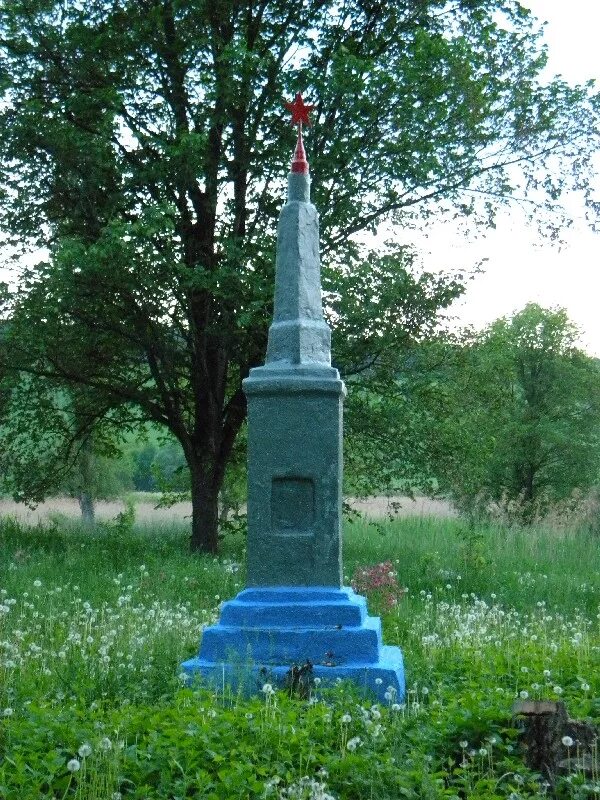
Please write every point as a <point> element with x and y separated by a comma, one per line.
<point>521,267</point>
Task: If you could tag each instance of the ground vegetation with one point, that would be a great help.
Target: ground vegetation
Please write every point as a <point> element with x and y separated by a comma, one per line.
<point>94,628</point>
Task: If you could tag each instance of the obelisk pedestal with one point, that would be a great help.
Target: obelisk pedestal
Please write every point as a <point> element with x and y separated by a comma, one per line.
<point>295,420</point>
<point>295,609</point>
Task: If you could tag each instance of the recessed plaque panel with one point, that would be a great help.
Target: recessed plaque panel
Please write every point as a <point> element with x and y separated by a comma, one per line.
<point>292,505</point>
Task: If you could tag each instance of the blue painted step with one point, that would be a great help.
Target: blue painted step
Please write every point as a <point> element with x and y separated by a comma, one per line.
<point>294,644</point>
<point>254,608</point>
<point>264,631</point>
<point>378,678</point>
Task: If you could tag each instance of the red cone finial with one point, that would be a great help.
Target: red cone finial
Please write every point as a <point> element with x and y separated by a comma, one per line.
<point>299,162</point>
<point>299,113</point>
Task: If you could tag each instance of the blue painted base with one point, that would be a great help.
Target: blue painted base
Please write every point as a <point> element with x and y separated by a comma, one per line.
<point>263,632</point>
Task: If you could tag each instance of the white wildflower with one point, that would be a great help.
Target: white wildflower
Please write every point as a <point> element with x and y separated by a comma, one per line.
<point>567,741</point>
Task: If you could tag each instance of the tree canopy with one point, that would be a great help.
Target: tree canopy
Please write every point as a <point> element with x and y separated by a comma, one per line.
<point>144,145</point>
<point>521,421</point>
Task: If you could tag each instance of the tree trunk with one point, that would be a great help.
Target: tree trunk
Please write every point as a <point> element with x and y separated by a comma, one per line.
<point>529,508</point>
<point>86,504</point>
<point>87,482</point>
<point>225,507</point>
<point>207,456</point>
<point>205,509</point>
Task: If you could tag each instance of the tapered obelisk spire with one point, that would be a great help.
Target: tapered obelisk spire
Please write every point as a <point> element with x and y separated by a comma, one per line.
<point>298,334</point>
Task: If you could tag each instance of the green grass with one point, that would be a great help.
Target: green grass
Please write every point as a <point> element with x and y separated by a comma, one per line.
<point>93,628</point>
<point>512,563</point>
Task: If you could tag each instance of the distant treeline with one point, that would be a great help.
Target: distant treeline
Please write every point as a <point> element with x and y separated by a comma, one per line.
<point>504,422</point>
<point>148,462</point>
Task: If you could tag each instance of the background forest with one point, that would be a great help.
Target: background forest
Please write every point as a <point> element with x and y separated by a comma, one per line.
<point>144,154</point>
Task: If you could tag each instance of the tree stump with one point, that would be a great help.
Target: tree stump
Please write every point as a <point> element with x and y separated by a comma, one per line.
<point>299,681</point>
<point>554,744</point>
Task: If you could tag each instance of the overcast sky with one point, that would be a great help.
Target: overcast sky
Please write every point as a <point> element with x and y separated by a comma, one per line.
<point>522,268</point>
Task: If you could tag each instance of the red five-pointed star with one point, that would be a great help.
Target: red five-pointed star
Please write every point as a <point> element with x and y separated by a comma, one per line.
<point>299,110</point>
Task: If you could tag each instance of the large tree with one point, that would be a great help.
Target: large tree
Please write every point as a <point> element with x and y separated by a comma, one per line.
<point>143,143</point>
<point>519,416</point>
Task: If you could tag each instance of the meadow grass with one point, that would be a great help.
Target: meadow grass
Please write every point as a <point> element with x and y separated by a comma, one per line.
<point>509,562</point>
<point>93,627</point>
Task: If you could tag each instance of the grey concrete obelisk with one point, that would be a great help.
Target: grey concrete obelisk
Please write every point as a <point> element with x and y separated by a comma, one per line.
<point>295,416</point>
<point>295,610</point>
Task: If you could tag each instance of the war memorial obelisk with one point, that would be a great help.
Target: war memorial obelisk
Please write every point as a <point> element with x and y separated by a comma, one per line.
<point>295,609</point>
